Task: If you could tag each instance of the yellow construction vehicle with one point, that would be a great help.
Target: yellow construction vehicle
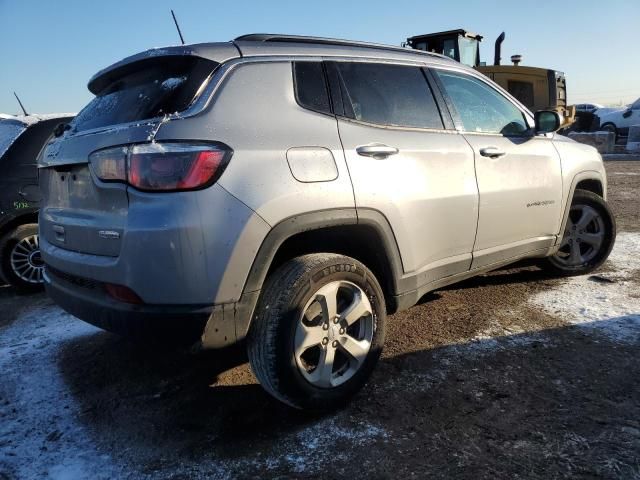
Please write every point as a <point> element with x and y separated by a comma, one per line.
<point>537,88</point>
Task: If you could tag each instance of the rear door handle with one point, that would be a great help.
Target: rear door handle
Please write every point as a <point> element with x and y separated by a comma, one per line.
<point>378,151</point>
<point>492,152</point>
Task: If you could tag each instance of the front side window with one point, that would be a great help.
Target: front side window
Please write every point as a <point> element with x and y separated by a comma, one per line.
<point>480,108</point>
<point>384,94</point>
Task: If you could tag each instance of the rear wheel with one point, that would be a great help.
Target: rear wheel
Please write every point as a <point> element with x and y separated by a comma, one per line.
<point>318,332</point>
<point>20,258</point>
<point>588,237</point>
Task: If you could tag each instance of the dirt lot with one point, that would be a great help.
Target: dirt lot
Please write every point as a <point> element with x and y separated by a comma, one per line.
<point>509,375</point>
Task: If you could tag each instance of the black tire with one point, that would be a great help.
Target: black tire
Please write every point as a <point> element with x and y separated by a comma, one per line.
<point>7,245</point>
<point>610,127</point>
<point>271,337</point>
<point>554,263</point>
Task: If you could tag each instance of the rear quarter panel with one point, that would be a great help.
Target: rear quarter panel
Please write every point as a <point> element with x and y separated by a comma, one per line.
<point>255,113</point>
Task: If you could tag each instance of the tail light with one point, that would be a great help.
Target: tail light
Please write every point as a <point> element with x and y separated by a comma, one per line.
<point>161,166</point>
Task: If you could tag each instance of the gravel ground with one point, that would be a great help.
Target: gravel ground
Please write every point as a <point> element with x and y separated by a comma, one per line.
<point>508,375</point>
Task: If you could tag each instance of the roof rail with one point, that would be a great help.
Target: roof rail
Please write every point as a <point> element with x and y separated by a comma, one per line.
<point>274,37</point>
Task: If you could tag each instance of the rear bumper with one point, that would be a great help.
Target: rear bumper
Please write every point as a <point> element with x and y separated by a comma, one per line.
<point>208,326</point>
<point>182,248</point>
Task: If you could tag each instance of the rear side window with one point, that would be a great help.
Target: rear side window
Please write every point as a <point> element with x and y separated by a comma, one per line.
<point>310,86</point>
<point>385,94</point>
<point>9,131</point>
<point>25,150</point>
<point>480,107</point>
<point>146,89</point>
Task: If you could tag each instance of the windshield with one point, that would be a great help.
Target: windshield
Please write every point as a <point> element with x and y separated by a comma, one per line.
<point>148,89</point>
<point>468,51</point>
<point>9,131</point>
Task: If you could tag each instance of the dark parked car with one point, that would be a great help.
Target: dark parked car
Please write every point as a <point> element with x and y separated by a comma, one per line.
<point>21,139</point>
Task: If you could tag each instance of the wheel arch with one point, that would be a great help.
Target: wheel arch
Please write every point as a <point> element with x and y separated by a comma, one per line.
<point>16,219</point>
<point>590,180</point>
<point>364,235</point>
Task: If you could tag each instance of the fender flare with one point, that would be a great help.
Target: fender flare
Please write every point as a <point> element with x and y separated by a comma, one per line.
<point>578,177</point>
<point>308,222</point>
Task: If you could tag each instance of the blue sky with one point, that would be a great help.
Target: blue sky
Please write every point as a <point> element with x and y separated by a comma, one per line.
<point>48,50</point>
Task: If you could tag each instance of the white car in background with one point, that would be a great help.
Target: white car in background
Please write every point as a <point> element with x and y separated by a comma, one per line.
<point>619,121</point>
<point>588,107</point>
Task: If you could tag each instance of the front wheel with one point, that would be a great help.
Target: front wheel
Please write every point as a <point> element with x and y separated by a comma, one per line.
<point>588,237</point>
<point>20,258</point>
<point>610,127</point>
<point>318,332</point>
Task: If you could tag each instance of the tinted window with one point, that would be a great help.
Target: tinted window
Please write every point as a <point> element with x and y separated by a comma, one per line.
<point>149,88</point>
<point>311,89</point>
<point>389,95</point>
<point>480,107</point>
<point>9,131</point>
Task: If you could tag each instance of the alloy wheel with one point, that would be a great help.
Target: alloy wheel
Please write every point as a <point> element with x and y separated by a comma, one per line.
<point>334,334</point>
<point>26,260</point>
<point>583,236</point>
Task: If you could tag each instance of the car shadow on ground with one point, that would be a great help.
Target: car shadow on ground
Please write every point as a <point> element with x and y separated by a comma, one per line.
<point>554,403</point>
<point>13,302</point>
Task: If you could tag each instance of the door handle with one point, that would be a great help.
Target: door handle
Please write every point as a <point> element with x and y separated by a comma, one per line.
<point>492,152</point>
<point>378,151</point>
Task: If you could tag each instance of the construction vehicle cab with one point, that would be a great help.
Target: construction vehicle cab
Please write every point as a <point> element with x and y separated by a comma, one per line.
<point>461,45</point>
<point>536,88</point>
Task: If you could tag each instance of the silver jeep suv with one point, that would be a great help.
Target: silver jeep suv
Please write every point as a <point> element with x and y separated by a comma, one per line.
<point>294,191</point>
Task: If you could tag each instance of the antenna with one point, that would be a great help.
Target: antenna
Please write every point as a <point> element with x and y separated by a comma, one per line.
<point>21,106</point>
<point>177,26</point>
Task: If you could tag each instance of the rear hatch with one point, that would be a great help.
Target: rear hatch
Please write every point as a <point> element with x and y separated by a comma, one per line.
<point>80,212</point>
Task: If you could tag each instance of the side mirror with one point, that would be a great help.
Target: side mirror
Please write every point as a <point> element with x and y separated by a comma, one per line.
<point>547,121</point>
<point>627,114</point>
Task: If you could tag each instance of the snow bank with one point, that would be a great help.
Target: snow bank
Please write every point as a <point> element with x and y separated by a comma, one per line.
<point>606,302</point>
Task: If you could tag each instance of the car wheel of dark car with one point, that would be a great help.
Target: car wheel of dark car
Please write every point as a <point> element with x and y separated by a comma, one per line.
<point>610,127</point>
<point>318,332</point>
<point>20,258</point>
<point>588,237</point>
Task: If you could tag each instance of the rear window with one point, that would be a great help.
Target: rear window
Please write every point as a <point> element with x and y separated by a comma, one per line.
<point>386,94</point>
<point>147,89</point>
<point>9,131</point>
<point>310,86</point>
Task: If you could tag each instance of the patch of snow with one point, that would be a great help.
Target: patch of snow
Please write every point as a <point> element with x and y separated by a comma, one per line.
<point>41,438</point>
<point>611,307</point>
<point>39,117</point>
<point>173,83</point>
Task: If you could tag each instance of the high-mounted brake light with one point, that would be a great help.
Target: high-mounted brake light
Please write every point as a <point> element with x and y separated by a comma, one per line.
<point>161,166</point>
